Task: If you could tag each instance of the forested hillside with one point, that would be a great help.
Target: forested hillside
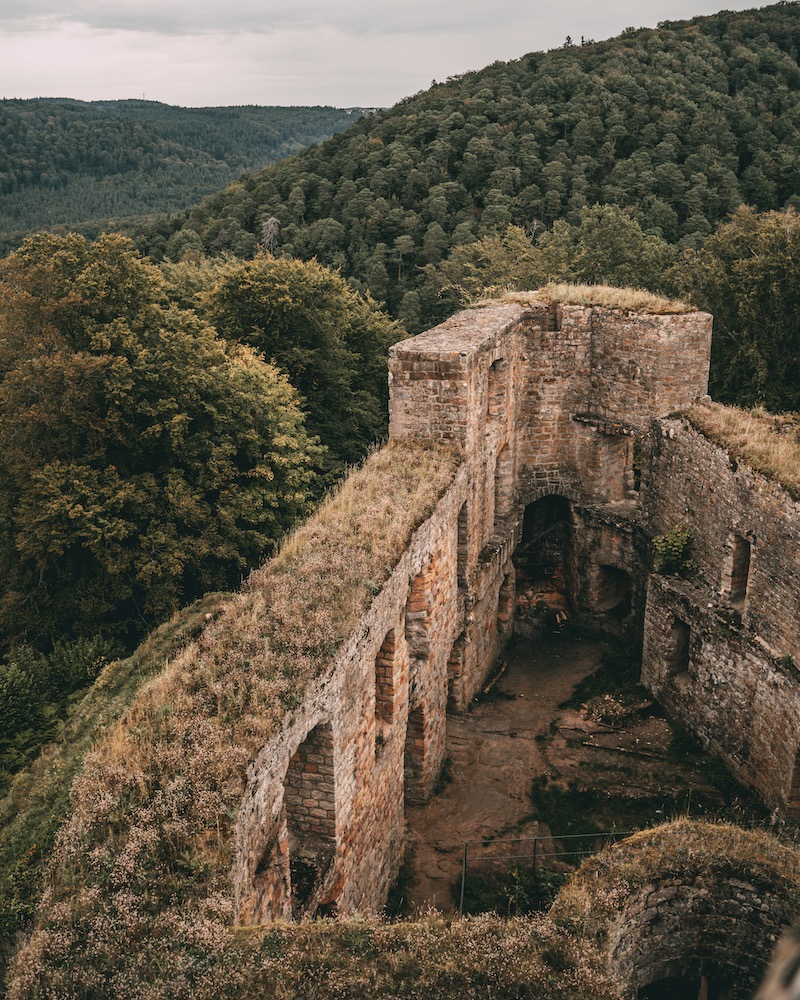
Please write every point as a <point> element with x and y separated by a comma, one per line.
<point>65,162</point>
<point>676,126</point>
<point>164,422</point>
<point>148,457</point>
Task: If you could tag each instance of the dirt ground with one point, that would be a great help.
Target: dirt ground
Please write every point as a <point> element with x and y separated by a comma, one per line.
<point>518,734</point>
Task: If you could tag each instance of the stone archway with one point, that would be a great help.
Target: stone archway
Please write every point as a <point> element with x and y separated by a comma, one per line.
<point>688,910</point>
<point>310,803</point>
<point>543,562</point>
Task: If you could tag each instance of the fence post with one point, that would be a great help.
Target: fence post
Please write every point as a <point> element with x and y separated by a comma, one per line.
<point>535,845</point>
<point>463,880</point>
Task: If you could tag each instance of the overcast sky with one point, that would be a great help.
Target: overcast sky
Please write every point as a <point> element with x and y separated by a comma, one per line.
<point>340,52</point>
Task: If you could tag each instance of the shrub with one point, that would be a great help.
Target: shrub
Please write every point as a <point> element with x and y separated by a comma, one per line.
<point>672,552</point>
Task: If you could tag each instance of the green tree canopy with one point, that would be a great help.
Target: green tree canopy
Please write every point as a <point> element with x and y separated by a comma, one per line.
<point>330,341</point>
<point>607,247</point>
<point>673,126</point>
<point>489,266</point>
<point>748,275</point>
<point>144,460</point>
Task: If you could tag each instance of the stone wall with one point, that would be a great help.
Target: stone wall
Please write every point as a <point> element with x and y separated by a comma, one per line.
<point>721,651</point>
<point>573,404</point>
<point>685,909</point>
<point>383,702</point>
<point>718,928</point>
<point>541,401</point>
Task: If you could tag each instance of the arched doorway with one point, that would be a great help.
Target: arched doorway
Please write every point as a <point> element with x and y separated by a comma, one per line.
<point>544,564</point>
<point>310,801</point>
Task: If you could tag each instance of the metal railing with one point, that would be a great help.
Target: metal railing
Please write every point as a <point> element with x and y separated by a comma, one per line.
<point>543,851</point>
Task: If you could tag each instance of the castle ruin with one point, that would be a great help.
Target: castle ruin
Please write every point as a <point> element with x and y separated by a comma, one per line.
<point>572,448</point>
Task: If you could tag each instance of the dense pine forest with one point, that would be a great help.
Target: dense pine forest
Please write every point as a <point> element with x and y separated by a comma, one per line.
<point>675,126</point>
<point>173,399</point>
<point>72,163</point>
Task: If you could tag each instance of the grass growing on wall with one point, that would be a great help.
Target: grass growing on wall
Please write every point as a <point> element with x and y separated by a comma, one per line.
<point>684,848</point>
<point>768,443</point>
<point>628,299</point>
<point>142,867</point>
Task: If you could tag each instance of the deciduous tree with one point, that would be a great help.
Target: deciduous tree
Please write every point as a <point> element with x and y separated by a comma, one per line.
<point>144,459</point>
<point>332,343</point>
<point>747,274</point>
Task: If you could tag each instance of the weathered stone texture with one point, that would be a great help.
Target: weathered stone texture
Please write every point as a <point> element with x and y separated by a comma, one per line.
<point>568,402</point>
<point>737,686</point>
<point>394,665</point>
<point>722,929</point>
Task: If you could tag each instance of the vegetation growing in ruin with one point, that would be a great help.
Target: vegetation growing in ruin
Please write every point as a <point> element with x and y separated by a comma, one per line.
<point>684,847</point>
<point>607,296</point>
<point>514,890</point>
<point>192,731</point>
<point>561,956</point>
<point>672,552</point>
<point>767,443</point>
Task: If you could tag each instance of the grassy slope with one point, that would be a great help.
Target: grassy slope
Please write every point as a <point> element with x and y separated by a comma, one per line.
<point>148,848</point>
<point>38,800</point>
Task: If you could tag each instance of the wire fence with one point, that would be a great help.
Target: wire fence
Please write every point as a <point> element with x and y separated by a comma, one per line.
<point>536,852</point>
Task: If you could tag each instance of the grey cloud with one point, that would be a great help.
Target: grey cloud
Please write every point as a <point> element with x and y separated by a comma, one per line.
<point>355,17</point>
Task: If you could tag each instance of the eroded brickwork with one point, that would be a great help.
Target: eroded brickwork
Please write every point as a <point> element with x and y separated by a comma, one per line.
<point>383,704</point>
<point>561,417</point>
<point>720,650</point>
<point>718,930</point>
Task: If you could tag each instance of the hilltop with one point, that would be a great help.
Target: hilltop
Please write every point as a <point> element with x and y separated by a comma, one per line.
<point>676,126</point>
<point>72,163</point>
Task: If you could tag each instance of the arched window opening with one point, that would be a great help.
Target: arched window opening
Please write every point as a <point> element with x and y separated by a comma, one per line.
<point>385,690</point>
<point>793,801</point>
<point>505,604</point>
<point>738,571</point>
<point>462,550</point>
<point>455,670</point>
<point>677,652</point>
<point>543,564</point>
<point>633,466</point>
<point>614,593</point>
<point>503,484</point>
<point>418,612</point>
<point>310,801</point>
<point>497,392</point>
<point>414,757</point>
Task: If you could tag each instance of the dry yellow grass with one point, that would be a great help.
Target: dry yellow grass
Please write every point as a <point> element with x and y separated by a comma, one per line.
<point>291,617</point>
<point>149,843</point>
<point>591,902</point>
<point>769,444</point>
<point>628,299</point>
